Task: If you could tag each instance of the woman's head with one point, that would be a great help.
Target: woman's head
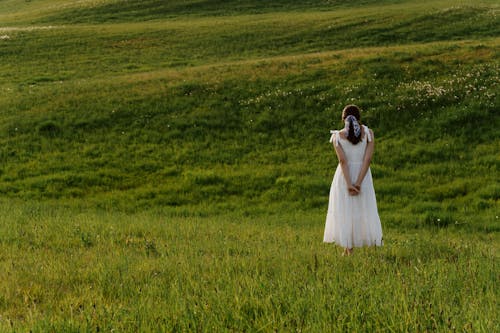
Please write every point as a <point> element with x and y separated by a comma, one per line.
<point>351,116</point>
<point>351,109</point>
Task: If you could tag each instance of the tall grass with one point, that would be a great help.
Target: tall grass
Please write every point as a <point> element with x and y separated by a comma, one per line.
<point>63,270</point>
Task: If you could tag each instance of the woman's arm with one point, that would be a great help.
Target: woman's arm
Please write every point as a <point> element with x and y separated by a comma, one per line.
<point>370,147</point>
<point>345,169</point>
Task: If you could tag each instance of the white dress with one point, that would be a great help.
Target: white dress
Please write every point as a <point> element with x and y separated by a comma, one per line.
<point>352,221</point>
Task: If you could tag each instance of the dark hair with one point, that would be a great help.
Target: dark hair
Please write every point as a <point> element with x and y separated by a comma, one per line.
<point>354,111</point>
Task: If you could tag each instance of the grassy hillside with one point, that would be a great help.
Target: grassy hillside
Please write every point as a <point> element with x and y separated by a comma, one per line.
<point>91,11</point>
<point>225,111</point>
<point>181,149</point>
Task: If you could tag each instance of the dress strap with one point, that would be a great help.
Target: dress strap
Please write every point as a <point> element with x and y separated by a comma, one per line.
<point>335,137</point>
<point>367,132</point>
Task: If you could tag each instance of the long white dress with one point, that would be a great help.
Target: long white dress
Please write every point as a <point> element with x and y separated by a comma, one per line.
<point>352,221</point>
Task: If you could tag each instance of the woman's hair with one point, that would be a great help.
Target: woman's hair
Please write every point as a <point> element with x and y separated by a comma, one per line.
<point>352,110</point>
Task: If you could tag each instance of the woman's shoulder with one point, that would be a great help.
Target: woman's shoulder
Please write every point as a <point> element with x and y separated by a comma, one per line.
<point>368,129</point>
<point>368,132</point>
<point>342,134</point>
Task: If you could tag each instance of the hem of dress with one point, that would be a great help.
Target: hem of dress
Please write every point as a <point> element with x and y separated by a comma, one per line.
<point>356,246</point>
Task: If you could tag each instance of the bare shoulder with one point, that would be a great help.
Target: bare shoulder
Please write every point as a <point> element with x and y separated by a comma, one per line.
<point>369,133</point>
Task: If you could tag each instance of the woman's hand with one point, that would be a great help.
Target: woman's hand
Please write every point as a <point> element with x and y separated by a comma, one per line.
<point>354,190</point>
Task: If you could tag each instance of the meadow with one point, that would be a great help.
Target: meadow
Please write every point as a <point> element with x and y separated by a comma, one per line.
<point>165,166</point>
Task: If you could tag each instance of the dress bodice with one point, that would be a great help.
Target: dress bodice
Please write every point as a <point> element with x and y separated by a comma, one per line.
<point>354,152</point>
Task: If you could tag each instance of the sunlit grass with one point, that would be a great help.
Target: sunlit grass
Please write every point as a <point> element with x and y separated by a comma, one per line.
<point>63,269</point>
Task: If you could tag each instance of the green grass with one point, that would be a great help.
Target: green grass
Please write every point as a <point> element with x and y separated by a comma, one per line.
<point>192,136</point>
<point>150,272</point>
<point>166,166</point>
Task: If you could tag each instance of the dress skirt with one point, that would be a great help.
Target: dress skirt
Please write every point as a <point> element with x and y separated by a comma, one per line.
<point>352,221</point>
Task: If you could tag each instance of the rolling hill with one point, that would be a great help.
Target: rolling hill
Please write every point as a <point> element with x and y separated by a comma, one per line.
<point>210,106</point>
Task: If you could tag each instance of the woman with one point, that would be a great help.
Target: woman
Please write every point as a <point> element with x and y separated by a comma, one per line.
<point>352,219</point>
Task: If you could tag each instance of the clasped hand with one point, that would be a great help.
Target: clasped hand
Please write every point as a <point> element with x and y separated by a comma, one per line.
<point>354,189</point>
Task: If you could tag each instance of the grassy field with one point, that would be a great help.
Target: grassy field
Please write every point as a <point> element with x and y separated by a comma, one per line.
<point>147,272</point>
<point>165,166</point>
